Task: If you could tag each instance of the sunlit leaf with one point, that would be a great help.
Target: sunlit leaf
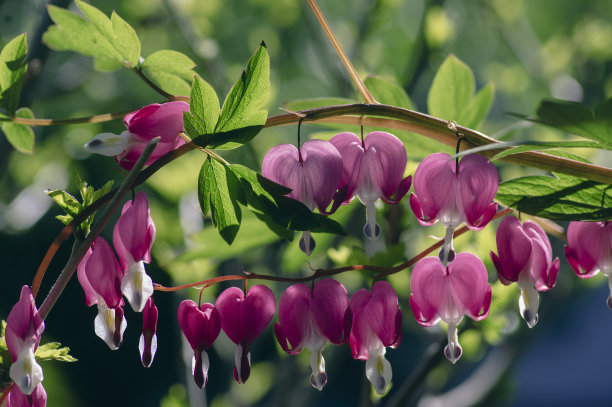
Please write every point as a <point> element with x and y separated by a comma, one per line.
<point>203,113</point>
<point>13,66</point>
<point>21,136</point>
<point>170,70</point>
<point>52,351</point>
<point>387,92</point>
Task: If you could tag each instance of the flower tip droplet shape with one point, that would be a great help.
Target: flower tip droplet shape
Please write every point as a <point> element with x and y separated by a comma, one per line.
<point>24,328</point>
<point>525,257</point>
<point>312,174</point>
<point>589,249</point>
<point>377,324</point>
<point>147,344</point>
<point>448,293</point>
<point>243,319</point>
<point>371,170</point>
<point>454,194</point>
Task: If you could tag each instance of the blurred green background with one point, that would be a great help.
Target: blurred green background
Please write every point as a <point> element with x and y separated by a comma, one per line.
<point>529,50</point>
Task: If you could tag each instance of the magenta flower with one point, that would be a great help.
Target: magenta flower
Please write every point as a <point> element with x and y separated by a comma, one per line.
<point>311,319</point>
<point>24,327</point>
<point>100,276</point>
<point>589,250</point>
<point>372,169</point>
<point>454,193</point>
<point>38,397</point>
<point>312,173</point>
<point>525,257</point>
<point>148,339</point>
<point>133,237</point>
<point>201,326</point>
<point>243,319</point>
<point>164,121</point>
<point>377,325</point>
<point>448,293</point>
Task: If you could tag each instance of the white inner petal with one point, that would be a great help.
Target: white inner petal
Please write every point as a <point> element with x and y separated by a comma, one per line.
<point>108,144</point>
<point>137,286</point>
<point>25,372</point>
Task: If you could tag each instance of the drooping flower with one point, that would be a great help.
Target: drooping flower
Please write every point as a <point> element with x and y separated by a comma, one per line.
<point>373,169</point>
<point>525,257</point>
<point>243,319</point>
<point>201,326</point>
<point>311,319</point>
<point>155,120</point>
<point>133,237</point>
<point>454,193</point>
<point>377,325</point>
<point>589,250</point>
<point>448,293</point>
<point>148,339</point>
<point>100,276</point>
<point>24,327</point>
<point>38,397</point>
<point>312,173</point>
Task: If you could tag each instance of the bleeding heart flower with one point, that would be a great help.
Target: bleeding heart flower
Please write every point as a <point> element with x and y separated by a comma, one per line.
<point>156,120</point>
<point>133,237</point>
<point>372,169</point>
<point>589,250</point>
<point>525,257</point>
<point>38,397</point>
<point>377,325</point>
<point>24,327</point>
<point>448,293</point>
<point>243,319</point>
<point>454,193</point>
<point>148,339</point>
<point>312,173</point>
<point>201,326</point>
<point>311,319</point>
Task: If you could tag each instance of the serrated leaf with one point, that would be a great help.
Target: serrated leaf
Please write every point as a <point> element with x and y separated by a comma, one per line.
<point>126,39</point>
<point>106,188</point>
<point>74,33</point>
<point>170,70</point>
<point>203,113</point>
<point>451,96</point>
<point>564,198</point>
<point>577,118</point>
<point>66,201</point>
<point>219,191</point>
<point>13,66</point>
<point>243,107</point>
<point>21,136</point>
<point>52,351</point>
<point>387,92</point>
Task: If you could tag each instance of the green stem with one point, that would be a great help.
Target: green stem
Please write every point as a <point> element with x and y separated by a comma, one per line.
<point>153,86</point>
<point>80,247</point>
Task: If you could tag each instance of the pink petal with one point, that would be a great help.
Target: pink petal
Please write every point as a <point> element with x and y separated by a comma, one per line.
<point>360,339</point>
<point>429,286</point>
<point>16,398</point>
<point>243,319</point>
<point>384,161</point>
<point>134,232</point>
<point>434,184</point>
<point>155,120</point>
<point>352,152</point>
<point>418,211</point>
<point>23,323</point>
<point>513,246</point>
<point>148,341</point>
<point>591,243</point>
<point>469,285</point>
<point>478,182</point>
<point>90,293</point>
<point>200,325</point>
<point>295,316</point>
<point>104,274</point>
<point>329,305</point>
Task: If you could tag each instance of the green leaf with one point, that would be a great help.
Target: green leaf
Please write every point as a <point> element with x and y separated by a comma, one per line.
<point>451,96</point>
<point>13,66</point>
<point>243,106</point>
<point>21,136</point>
<point>66,201</point>
<point>578,119</point>
<point>219,192</point>
<point>74,33</point>
<point>126,39</point>
<point>203,113</point>
<point>563,198</point>
<point>545,145</point>
<point>387,92</point>
<point>170,70</point>
<point>52,351</point>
